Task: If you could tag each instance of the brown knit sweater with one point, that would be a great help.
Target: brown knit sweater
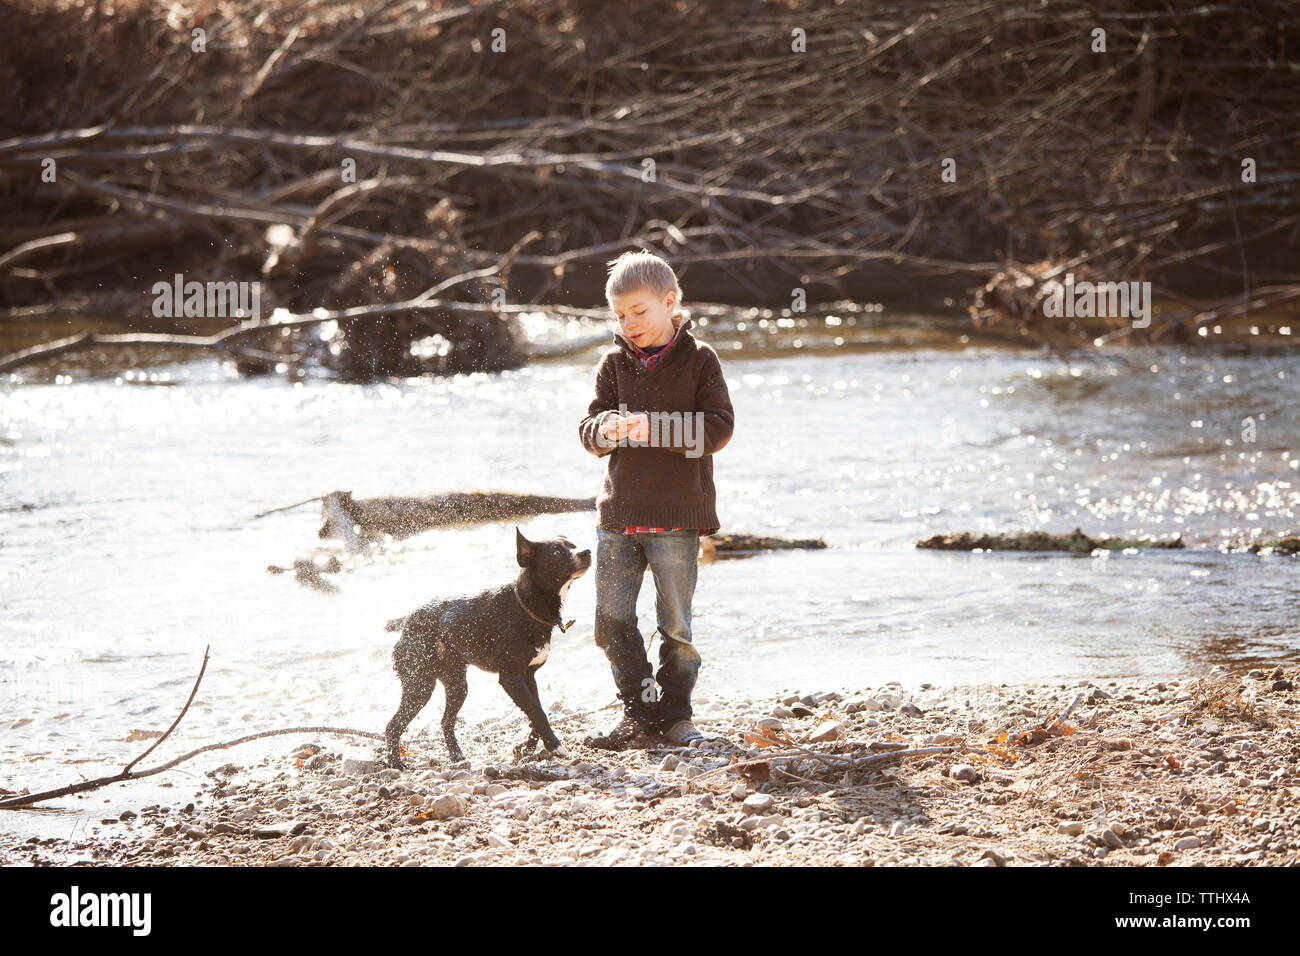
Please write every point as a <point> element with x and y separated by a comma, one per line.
<point>660,484</point>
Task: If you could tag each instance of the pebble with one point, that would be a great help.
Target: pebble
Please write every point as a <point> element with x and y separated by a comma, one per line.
<point>739,792</point>
<point>943,740</point>
<point>288,828</point>
<point>897,828</point>
<point>758,803</point>
<point>864,703</point>
<point>966,772</point>
<point>770,723</point>
<point>1072,828</point>
<point>1188,843</point>
<point>829,730</point>
<point>447,806</point>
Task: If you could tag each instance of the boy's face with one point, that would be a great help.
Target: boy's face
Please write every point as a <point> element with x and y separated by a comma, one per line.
<point>645,318</point>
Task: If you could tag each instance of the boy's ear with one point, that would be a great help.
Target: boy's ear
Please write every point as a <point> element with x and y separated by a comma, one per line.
<point>524,549</point>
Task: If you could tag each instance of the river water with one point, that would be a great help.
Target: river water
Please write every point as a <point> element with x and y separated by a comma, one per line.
<point>127,539</point>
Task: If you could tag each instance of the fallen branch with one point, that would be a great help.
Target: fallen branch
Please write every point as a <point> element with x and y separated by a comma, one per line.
<point>297,504</point>
<point>839,761</point>
<point>78,343</point>
<point>1037,733</point>
<point>22,801</point>
<point>1060,721</point>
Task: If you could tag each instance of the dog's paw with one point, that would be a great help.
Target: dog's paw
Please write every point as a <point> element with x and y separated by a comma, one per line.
<point>396,763</point>
<point>559,750</point>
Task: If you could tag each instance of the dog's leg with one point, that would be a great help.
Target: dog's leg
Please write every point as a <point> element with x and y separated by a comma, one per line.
<point>415,694</point>
<point>525,748</point>
<point>522,689</point>
<point>457,687</point>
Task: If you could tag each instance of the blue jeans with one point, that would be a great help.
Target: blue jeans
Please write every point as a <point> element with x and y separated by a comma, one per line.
<point>621,560</point>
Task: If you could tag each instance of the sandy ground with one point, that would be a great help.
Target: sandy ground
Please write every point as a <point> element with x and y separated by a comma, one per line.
<point>1204,771</point>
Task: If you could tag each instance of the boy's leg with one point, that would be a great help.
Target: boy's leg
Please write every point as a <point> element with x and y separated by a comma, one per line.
<point>673,557</point>
<point>620,568</point>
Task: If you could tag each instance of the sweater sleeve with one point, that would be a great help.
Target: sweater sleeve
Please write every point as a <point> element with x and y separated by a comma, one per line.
<point>604,404</point>
<point>713,400</point>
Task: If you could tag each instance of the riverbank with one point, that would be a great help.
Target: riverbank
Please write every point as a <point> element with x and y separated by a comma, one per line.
<point>1199,772</point>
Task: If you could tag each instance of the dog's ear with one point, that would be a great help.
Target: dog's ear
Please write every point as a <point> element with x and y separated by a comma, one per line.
<point>524,549</point>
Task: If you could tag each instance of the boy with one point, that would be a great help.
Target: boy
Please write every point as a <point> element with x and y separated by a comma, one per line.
<point>660,413</point>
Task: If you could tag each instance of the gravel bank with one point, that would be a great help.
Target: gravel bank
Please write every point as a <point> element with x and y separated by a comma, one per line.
<point>1185,773</point>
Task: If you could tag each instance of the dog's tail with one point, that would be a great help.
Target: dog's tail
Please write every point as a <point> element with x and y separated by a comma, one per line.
<point>395,624</point>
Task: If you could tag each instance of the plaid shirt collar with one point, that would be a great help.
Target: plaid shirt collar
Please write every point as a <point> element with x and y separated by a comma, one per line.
<point>647,360</point>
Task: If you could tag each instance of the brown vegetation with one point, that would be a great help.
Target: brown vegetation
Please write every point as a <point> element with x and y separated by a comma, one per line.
<point>530,166</point>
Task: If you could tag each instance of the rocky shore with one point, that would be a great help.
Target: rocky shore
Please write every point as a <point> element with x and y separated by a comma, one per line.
<point>1198,772</point>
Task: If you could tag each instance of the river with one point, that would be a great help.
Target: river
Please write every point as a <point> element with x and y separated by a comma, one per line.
<point>128,544</point>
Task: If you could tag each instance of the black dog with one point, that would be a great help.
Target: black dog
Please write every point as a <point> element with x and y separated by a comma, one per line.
<point>505,630</point>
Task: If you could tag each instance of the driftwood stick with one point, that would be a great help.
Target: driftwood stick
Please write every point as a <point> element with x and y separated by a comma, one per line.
<point>877,759</point>
<point>18,253</point>
<point>125,773</point>
<point>1059,722</point>
<point>839,760</point>
<point>1052,729</point>
<point>26,800</point>
<point>193,690</point>
<point>298,504</point>
<point>78,343</point>
<point>21,801</point>
<point>227,340</point>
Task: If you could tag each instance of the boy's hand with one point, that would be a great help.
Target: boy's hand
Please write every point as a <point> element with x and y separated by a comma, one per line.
<point>613,428</point>
<point>635,427</point>
<point>638,427</point>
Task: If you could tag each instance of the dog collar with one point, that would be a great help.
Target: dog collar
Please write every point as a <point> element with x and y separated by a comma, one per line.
<point>558,623</point>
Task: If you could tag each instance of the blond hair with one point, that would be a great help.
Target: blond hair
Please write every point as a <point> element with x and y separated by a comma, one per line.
<point>640,269</point>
